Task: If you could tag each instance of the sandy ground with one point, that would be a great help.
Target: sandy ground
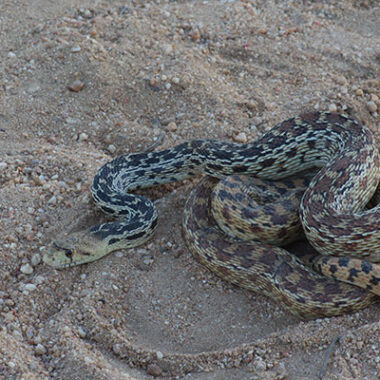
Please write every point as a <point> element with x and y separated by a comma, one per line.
<point>161,72</point>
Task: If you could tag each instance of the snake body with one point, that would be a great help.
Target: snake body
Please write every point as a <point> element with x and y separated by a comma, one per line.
<point>332,210</point>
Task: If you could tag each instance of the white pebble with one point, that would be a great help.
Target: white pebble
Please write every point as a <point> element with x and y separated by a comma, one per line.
<point>332,107</point>
<point>175,80</point>
<point>52,200</point>
<point>111,148</point>
<point>11,55</point>
<point>159,355</point>
<point>241,137</point>
<point>39,280</point>
<point>83,136</point>
<point>3,165</point>
<point>30,287</point>
<point>40,349</point>
<point>26,269</point>
<point>75,49</point>
<point>168,86</point>
<point>81,332</point>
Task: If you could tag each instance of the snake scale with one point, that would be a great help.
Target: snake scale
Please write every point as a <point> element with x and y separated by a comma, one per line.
<point>332,211</point>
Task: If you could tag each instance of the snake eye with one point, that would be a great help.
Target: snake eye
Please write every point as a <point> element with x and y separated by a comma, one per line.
<point>69,253</point>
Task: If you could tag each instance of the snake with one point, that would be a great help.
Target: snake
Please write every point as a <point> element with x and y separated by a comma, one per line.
<point>331,210</point>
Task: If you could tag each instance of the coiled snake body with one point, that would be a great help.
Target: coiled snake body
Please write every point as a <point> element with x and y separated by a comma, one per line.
<point>332,211</point>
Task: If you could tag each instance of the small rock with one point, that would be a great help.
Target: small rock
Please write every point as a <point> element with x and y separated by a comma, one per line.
<point>241,137</point>
<point>342,80</point>
<point>26,268</point>
<point>30,287</point>
<point>29,332</point>
<point>372,106</point>
<point>196,35</point>
<point>36,259</point>
<point>83,136</point>
<point>40,349</point>
<point>332,107</point>
<point>175,80</point>
<point>11,55</point>
<point>87,13</point>
<point>154,370</point>
<point>359,92</point>
<point>52,200</point>
<point>75,49</point>
<point>116,348</point>
<point>81,332</point>
<point>172,126</point>
<point>76,86</point>
<point>111,148</point>
<point>260,364</point>
<point>159,355</point>
<point>168,49</point>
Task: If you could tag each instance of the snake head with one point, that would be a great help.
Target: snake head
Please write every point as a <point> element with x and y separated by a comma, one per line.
<point>74,250</point>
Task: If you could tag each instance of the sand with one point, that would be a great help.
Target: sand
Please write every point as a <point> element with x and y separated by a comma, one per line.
<point>84,81</point>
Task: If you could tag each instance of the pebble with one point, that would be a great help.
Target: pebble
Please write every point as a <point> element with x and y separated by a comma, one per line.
<point>36,259</point>
<point>159,355</point>
<point>260,364</point>
<point>30,287</point>
<point>29,332</point>
<point>11,55</point>
<point>40,349</point>
<point>52,200</point>
<point>111,148</point>
<point>75,49</point>
<point>241,137</point>
<point>332,107</point>
<point>154,370</point>
<point>26,268</point>
<point>76,86</point>
<point>196,35</point>
<point>81,332</point>
<point>372,106</point>
<point>172,126</point>
<point>83,136</point>
<point>359,92</point>
<point>342,80</point>
<point>168,49</point>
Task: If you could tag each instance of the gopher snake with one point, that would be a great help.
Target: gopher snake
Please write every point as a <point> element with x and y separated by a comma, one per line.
<point>331,211</point>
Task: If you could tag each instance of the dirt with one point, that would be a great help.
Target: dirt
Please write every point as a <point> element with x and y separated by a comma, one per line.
<point>83,81</point>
